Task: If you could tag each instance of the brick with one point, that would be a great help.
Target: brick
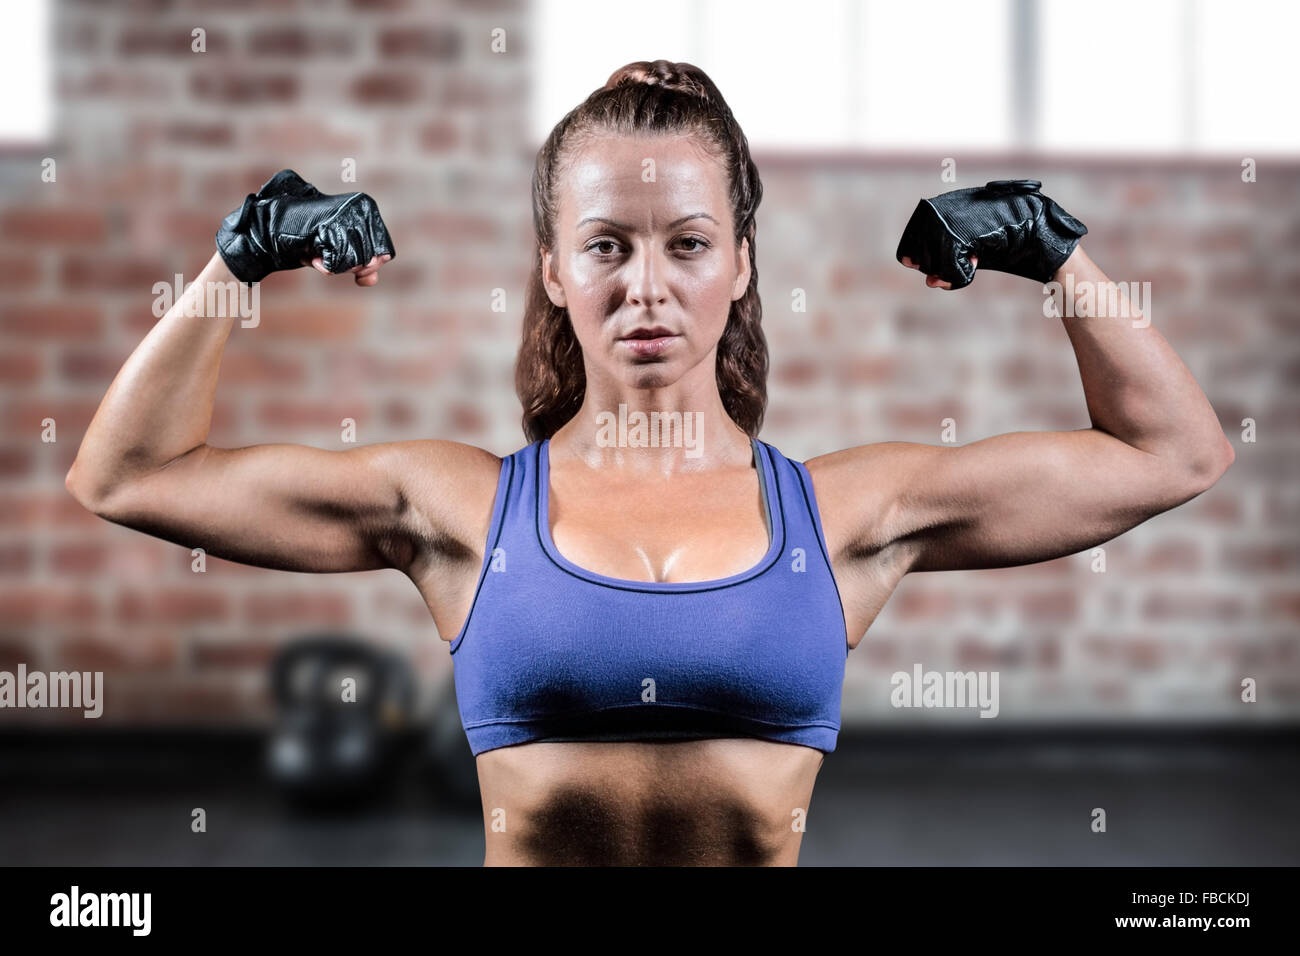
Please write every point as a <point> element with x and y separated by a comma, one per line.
<point>303,135</point>
<point>245,89</point>
<point>281,414</point>
<point>1026,371</point>
<point>177,41</point>
<point>15,651</point>
<point>170,699</point>
<point>439,136</point>
<point>28,605</point>
<point>20,368</point>
<point>925,604</point>
<point>71,417</point>
<point>1136,195</point>
<point>407,276</point>
<point>39,510</point>
<point>1112,692</point>
<point>76,37</point>
<point>1182,556</point>
<point>360,367</point>
<point>299,609</point>
<point>461,92</point>
<point>1281,506</point>
<point>466,420</point>
<point>313,320</point>
<point>391,88</point>
<point>113,84</point>
<point>868,370</point>
<point>878,651</point>
<point>1055,416</point>
<point>137,558</point>
<point>1047,655</point>
<point>190,133</point>
<point>17,461</point>
<point>90,366</point>
<point>79,558</point>
<point>89,183</point>
<point>455,276</point>
<point>972,652</point>
<point>398,413</point>
<point>107,652</point>
<point>113,274</point>
<point>798,373</point>
<point>54,321</point>
<point>19,273</point>
<point>16,557</point>
<point>1283,603</point>
<point>420,322</point>
<point>1251,280</point>
<point>456,227</point>
<point>170,606</point>
<point>1057,604</point>
<point>59,224</point>
<point>926,417</point>
<point>239,654</point>
<point>1193,606</point>
<point>297,41</point>
<point>377,6</point>
<point>1283,320</point>
<point>1278,558</point>
<point>259,6</point>
<point>262,368</point>
<point>426,43</point>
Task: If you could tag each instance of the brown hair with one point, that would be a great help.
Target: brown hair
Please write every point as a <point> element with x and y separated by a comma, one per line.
<point>641,98</point>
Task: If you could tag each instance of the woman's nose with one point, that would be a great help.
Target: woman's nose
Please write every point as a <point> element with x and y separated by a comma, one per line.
<point>645,285</point>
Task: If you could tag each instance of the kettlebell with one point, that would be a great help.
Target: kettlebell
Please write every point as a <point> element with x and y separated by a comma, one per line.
<point>342,705</point>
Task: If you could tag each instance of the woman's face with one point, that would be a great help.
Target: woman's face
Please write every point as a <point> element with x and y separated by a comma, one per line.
<point>643,241</point>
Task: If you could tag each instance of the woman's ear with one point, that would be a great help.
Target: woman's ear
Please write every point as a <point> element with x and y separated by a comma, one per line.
<point>554,291</point>
<point>742,270</point>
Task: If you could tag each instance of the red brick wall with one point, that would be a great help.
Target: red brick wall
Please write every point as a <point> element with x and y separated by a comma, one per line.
<point>155,143</point>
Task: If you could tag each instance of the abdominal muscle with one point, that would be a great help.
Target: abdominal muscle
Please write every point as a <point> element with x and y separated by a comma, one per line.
<point>725,802</point>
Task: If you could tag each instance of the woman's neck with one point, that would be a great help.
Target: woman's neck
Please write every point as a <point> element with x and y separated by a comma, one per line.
<point>641,436</point>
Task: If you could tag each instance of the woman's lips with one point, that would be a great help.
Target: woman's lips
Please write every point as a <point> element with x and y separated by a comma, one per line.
<point>649,347</point>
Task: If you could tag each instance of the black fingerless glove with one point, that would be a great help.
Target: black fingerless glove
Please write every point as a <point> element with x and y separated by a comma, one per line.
<point>289,222</point>
<point>1007,224</point>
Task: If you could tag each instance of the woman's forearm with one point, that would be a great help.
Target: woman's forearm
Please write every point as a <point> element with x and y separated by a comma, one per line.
<point>1137,388</point>
<point>159,405</point>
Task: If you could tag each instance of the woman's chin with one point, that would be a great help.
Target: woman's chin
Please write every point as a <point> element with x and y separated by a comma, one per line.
<point>657,375</point>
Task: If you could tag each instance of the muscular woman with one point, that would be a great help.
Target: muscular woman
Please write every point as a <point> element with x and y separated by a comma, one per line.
<point>648,636</point>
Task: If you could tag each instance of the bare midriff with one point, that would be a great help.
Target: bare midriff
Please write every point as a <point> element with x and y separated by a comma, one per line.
<point>722,802</point>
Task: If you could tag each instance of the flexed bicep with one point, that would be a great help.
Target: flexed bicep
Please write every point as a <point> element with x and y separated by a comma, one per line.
<point>298,508</point>
<point>1008,500</point>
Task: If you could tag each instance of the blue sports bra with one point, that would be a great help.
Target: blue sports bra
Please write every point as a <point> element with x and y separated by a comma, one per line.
<point>552,651</point>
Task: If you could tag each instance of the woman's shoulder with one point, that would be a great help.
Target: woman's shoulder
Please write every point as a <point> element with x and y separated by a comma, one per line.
<point>449,485</point>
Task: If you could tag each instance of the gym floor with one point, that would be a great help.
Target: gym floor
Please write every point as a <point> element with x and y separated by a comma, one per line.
<point>1183,797</point>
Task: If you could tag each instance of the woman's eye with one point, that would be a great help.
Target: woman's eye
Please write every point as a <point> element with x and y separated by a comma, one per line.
<point>607,247</point>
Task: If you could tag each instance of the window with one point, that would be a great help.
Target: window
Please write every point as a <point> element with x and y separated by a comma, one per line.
<point>25,73</point>
<point>1106,76</point>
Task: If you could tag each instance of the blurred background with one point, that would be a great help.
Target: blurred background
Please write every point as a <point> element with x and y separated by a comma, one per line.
<point>129,130</point>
